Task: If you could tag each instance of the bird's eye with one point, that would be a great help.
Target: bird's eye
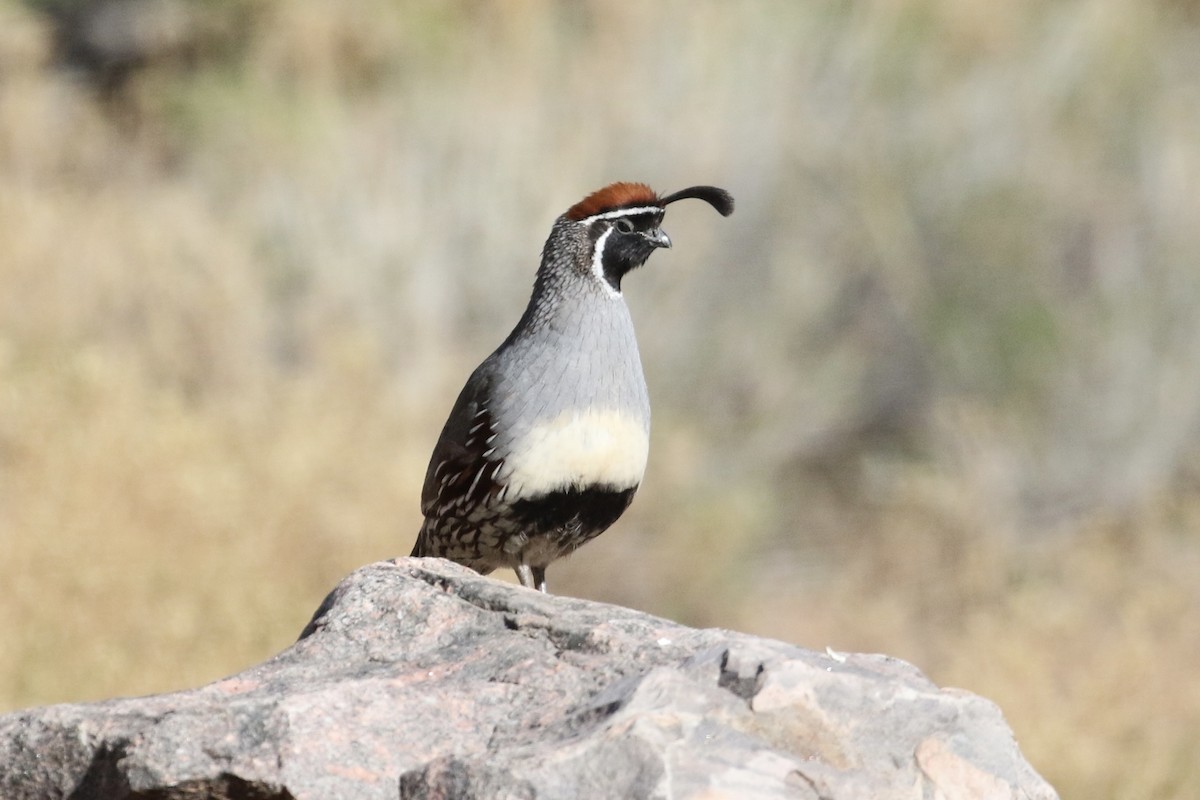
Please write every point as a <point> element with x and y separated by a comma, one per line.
<point>623,226</point>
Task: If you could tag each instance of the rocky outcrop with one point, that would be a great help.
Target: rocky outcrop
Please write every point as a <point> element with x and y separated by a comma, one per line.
<point>420,679</point>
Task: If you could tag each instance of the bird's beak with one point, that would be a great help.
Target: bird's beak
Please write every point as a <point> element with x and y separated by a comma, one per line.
<point>658,237</point>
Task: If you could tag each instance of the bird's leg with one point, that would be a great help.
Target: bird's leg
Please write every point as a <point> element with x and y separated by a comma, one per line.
<point>532,577</point>
<point>525,573</point>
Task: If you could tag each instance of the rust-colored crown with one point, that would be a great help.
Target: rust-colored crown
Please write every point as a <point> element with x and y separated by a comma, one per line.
<point>611,197</point>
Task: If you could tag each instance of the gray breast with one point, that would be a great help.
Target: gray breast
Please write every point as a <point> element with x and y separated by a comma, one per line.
<point>569,400</point>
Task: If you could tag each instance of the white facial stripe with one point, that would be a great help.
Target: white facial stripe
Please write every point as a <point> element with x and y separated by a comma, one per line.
<point>622,212</point>
<point>598,264</point>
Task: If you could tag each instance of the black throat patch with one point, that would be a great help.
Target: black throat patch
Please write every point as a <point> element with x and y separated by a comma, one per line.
<point>624,245</point>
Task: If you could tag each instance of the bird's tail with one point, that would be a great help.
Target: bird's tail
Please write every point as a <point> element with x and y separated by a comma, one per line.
<point>419,550</point>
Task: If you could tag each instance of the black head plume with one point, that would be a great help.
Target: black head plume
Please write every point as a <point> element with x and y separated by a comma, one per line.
<point>719,199</point>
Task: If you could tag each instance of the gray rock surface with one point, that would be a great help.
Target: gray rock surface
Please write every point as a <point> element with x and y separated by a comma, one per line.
<point>420,679</point>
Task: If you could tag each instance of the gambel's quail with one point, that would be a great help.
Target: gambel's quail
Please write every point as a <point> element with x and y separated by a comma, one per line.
<point>547,442</point>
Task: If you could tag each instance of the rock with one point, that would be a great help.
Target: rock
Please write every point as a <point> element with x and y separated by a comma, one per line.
<point>420,679</point>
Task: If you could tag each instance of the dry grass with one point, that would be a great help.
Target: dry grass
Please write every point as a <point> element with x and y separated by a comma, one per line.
<point>931,391</point>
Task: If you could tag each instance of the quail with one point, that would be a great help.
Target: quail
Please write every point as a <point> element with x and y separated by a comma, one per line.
<point>547,442</point>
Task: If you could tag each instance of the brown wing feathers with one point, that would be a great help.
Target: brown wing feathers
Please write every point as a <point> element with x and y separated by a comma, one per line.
<point>467,476</point>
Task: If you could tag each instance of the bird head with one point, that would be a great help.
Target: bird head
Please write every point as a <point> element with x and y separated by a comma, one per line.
<point>623,224</point>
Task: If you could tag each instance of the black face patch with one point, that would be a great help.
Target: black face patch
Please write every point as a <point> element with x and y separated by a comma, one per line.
<point>627,245</point>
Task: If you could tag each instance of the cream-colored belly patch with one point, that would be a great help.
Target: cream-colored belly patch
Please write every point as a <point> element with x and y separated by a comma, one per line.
<point>598,446</point>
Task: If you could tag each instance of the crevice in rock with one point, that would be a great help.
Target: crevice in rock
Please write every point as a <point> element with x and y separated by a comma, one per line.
<point>104,777</point>
<point>737,679</point>
<point>455,777</point>
<point>225,786</point>
<point>317,622</point>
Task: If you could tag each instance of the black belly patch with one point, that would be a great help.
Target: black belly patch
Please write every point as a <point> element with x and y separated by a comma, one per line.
<point>589,510</point>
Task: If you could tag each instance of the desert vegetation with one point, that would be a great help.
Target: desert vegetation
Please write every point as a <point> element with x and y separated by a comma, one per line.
<point>934,390</point>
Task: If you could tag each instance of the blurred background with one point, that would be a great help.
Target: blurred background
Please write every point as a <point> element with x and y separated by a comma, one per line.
<point>932,391</point>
